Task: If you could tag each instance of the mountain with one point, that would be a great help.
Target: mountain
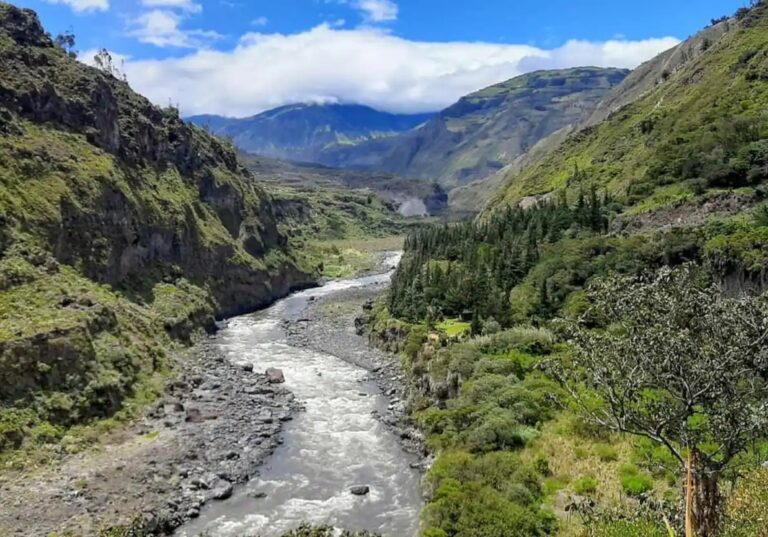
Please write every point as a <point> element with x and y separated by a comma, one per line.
<point>660,196</point>
<point>408,197</point>
<point>486,130</point>
<point>685,124</point>
<point>476,195</point>
<point>123,229</point>
<point>302,132</point>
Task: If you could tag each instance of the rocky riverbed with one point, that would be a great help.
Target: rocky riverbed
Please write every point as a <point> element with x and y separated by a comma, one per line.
<point>211,430</point>
<point>218,422</point>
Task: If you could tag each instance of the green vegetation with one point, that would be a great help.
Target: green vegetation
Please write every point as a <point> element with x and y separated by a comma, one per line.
<point>123,232</point>
<point>453,327</point>
<point>701,127</point>
<point>637,275</point>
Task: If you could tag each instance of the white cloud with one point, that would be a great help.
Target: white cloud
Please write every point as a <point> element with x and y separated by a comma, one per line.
<point>184,5</point>
<point>378,10</point>
<point>160,27</point>
<point>364,65</point>
<point>82,6</point>
<point>260,21</point>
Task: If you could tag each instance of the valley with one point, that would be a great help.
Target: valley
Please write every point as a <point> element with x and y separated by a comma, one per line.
<point>540,311</point>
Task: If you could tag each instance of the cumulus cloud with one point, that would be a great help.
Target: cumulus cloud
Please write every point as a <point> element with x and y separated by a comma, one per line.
<point>363,65</point>
<point>82,6</point>
<point>183,5</point>
<point>260,21</point>
<point>160,27</point>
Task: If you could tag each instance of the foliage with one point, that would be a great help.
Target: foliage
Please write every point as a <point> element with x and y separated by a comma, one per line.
<point>473,267</point>
<point>680,363</point>
<point>747,511</point>
<point>697,127</point>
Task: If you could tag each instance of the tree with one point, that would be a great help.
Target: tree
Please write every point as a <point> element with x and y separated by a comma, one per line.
<point>66,41</point>
<point>678,362</point>
<point>105,63</point>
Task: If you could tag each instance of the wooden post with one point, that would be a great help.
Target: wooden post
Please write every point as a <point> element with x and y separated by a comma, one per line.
<point>690,494</point>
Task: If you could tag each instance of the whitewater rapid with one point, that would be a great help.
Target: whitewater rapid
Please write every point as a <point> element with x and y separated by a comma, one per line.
<point>333,445</point>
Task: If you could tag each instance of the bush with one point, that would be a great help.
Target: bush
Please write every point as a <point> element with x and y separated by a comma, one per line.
<point>747,509</point>
<point>626,528</point>
<point>606,453</point>
<point>637,484</point>
<point>585,485</point>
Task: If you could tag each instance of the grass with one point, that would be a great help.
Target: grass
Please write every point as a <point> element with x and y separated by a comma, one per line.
<point>453,327</point>
<point>349,257</point>
<point>580,463</point>
<point>671,126</point>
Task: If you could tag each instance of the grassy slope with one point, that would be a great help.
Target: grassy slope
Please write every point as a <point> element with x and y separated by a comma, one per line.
<point>638,154</point>
<point>112,213</point>
<point>684,113</point>
<point>488,129</point>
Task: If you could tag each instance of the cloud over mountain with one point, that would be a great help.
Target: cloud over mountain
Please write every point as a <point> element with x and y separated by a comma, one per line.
<point>365,65</point>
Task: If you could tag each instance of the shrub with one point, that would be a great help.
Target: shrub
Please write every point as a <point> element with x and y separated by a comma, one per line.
<point>585,485</point>
<point>747,509</point>
<point>634,482</point>
<point>626,528</point>
<point>606,453</point>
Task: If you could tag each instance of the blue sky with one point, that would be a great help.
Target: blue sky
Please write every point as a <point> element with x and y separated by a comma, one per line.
<point>238,57</point>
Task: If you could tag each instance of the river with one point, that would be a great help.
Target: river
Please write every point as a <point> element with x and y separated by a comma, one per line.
<point>333,445</point>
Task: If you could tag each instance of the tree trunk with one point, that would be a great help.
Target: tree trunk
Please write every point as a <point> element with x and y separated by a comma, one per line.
<point>709,505</point>
<point>703,500</point>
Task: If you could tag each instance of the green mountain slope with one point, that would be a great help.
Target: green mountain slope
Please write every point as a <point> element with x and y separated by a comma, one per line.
<point>122,230</point>
<point>484,310</point>
<point>302,132</point>
<point>488,129</point>
<point>696,128</point>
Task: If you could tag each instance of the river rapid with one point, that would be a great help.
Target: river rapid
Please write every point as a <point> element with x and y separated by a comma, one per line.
<point>335,444</point>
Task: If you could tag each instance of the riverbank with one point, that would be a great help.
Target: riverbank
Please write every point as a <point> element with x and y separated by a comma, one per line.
<point>192,447</point>
<point>211,430</point>
<point>340,464</point>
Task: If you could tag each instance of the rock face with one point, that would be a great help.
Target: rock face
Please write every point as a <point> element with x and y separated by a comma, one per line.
<point>121,228</point>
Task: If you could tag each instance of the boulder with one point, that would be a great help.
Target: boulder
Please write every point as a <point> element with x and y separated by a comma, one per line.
<point>360,490</point>
<point>275,376</point>
<point>193,415</point>
<point>224,492</point>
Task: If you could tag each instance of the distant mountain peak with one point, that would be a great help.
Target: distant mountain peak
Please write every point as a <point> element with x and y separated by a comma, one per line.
<point>302,131</point>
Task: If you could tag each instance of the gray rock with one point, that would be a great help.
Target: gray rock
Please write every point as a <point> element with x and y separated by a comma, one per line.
<point>275,376</point>
<point>193,415</point>
<point>248,368</point>
<point>360,490</point>
<point>224,492</point>
<point>200,484</point>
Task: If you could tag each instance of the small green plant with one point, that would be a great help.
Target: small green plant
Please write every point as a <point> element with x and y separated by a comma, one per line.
<point>606,453</point>
<point>634,482</point>
<point>585,485</point>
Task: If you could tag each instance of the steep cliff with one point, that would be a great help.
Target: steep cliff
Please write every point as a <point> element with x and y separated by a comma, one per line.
<point>122,229</point>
